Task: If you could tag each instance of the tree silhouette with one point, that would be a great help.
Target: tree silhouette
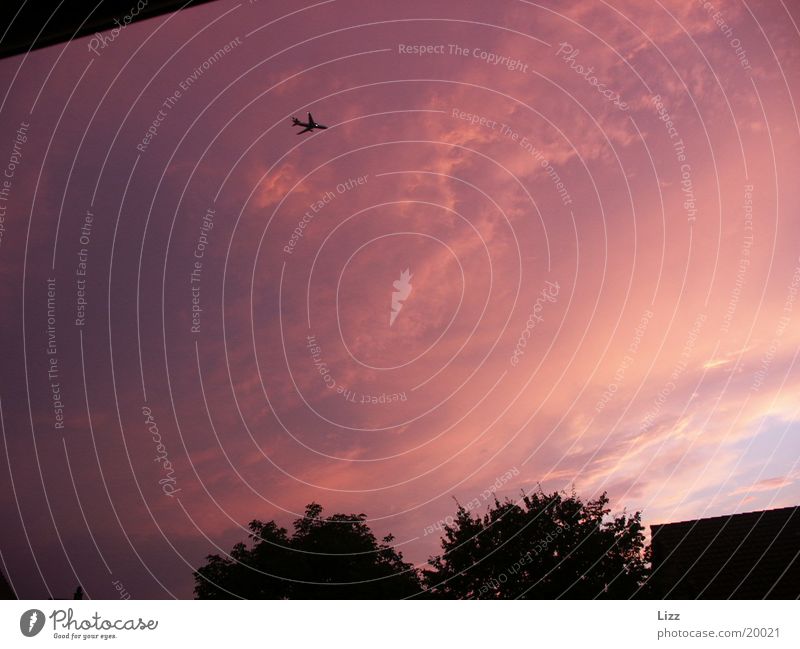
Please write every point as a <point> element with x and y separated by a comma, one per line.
<point>337,557</point>
<point>545,546</point>
<point>548,546</point>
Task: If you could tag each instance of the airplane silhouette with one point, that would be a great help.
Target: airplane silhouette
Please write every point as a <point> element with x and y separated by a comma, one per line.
<point>310,126</point>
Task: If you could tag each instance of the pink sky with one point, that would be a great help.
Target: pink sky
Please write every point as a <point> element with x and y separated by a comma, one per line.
<point>660,367</point>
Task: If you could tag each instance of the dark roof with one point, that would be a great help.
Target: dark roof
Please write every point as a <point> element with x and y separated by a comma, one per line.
<point>743,556</point>
<point>70,19</point>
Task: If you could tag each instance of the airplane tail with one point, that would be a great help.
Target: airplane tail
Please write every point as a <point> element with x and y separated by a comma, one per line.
<point>295,121</point>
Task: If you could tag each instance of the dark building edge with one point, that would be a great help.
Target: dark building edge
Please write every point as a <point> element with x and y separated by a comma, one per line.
<point>64,23</point>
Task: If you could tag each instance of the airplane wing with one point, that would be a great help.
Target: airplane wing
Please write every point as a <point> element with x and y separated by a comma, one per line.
<point>310,119</point>
<point>305,130</point>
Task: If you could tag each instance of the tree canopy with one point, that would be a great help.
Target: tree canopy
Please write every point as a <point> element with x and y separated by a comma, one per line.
<point>545,546</point>
<point>337,557</point>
